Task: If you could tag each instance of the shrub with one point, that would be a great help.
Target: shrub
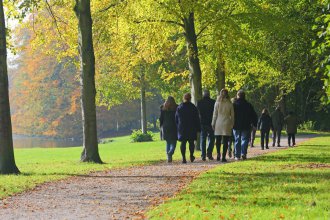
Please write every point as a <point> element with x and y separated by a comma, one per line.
<point>138,136</point>
<point>307,126</point>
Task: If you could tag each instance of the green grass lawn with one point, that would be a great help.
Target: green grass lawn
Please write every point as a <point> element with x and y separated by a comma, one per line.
<point>40,165</point>
<point>288,184</point>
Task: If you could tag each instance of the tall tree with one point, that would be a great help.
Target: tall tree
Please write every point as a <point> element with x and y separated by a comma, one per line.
<point>7,159</point>
<point>87,80</point>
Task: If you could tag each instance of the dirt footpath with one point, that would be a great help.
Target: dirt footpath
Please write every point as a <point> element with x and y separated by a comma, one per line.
<point>116,194</point>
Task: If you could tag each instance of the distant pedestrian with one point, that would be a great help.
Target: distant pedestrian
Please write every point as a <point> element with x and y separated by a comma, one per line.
<point>264,125</point>
<point>205,108</point>
<point>244,117</point>
<point>253,135</point>
<point>223,122</point>
<point>188,124</point>
<point>231,150</point>
<point>291,128</point>
<point>168,126</point>
<point>277,120</point>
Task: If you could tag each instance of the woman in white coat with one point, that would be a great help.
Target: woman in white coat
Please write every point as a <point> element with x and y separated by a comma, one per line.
<point>223,122</point>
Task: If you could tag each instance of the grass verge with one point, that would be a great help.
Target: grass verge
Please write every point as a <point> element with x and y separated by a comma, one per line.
<point>39,165</point>
<point>288,184</point>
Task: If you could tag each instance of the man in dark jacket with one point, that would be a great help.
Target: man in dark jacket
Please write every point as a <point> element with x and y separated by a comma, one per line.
<point>245,116</point>
<point>188,124</point>
<point>205,108</point>
<point>278,121</point>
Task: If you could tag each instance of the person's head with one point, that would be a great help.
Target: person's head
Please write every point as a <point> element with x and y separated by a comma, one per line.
<point>223,95</point>
<point>240,94</point>
<point>170,104</point>
<point>187,97</point>
<point>206,93</point>
<point>265,111</point>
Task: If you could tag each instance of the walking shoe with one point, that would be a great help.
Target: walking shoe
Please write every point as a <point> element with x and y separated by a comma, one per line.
<point>278,145</point>
<point>244,157</point>
<point>210,158</point>
<point>184,161</point>
<point>192,158</point>
<point>236,158</point>
<point>224,160</point>
<point>203,158</point>
<point>218,157</point>
<point>230,155</point>
<point>262,148</point>
<point>267,147</point>
<point>273,145</point>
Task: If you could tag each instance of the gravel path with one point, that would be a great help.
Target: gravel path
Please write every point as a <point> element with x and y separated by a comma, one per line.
<point>115,194</point>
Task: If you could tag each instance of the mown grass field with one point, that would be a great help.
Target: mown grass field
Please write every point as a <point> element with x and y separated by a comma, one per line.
<point>288,184</point>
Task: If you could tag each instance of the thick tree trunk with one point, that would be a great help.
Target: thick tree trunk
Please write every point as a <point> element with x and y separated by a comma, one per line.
<point>7,159</point>
<point>143,106</point>
<point>193,60</point>
<point>87,81</point>
<point>220,73</point>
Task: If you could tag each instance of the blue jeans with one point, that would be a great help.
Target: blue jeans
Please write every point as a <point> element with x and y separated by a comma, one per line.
<point>170,146</point>
<point>241,142</point>
<point>207,133</point>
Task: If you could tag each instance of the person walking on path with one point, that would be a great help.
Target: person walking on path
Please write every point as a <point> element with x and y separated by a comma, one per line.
<point>291,128</point>
<point>264,125</point>
<point>188,124</point>
<point>253,135</point>
<point>244,117</point>
<point>277,120</point>
<point>168,126</point>
<point>205,108</point>
<point>223,122</point>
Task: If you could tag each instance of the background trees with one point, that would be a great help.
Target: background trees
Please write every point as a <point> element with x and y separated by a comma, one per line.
<point>157,46</point>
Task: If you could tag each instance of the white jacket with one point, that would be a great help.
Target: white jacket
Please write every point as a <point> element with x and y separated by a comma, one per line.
<point>223,118</point>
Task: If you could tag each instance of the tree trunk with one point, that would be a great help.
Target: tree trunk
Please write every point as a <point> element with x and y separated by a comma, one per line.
<point>7,159</point>
<point>87,82</point>
<point>143,105</point>
<point>220,74</point>
<point>193,60</point>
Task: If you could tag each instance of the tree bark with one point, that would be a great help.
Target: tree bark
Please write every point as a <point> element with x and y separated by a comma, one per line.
<point>143,105</point>
<point>193,60</point>
<point>87,82</point>
<point>220,74</point>
<point>7,159</point>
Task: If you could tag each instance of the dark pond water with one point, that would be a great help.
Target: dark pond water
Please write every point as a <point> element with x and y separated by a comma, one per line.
<point>30,142</point>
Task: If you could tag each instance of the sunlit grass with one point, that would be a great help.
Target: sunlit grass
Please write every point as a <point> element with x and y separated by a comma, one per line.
<point>289,184</point>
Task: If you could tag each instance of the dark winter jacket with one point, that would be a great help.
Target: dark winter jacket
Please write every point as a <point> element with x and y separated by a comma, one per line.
<point>291,124</point>
<point>205,108</point>
<point>265,123</point>
<point>187,121</point>
<point>277,119</point>
<point>245,116</point>
<point>167,124</point>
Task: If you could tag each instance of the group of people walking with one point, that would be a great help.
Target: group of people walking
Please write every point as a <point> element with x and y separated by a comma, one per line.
<point>220,121</point>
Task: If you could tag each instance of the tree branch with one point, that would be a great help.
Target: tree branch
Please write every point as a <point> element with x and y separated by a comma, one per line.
<point>49,9</point>
<point>161,20</point>
<point>111,6</point>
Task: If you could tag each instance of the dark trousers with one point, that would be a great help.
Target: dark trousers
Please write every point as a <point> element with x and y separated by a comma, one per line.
<point>225,140</point>
<point>183,148</point>
<point>276,136</point>
<point>264,138</point>
<point>293,137</point>
<point>207,133</point>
